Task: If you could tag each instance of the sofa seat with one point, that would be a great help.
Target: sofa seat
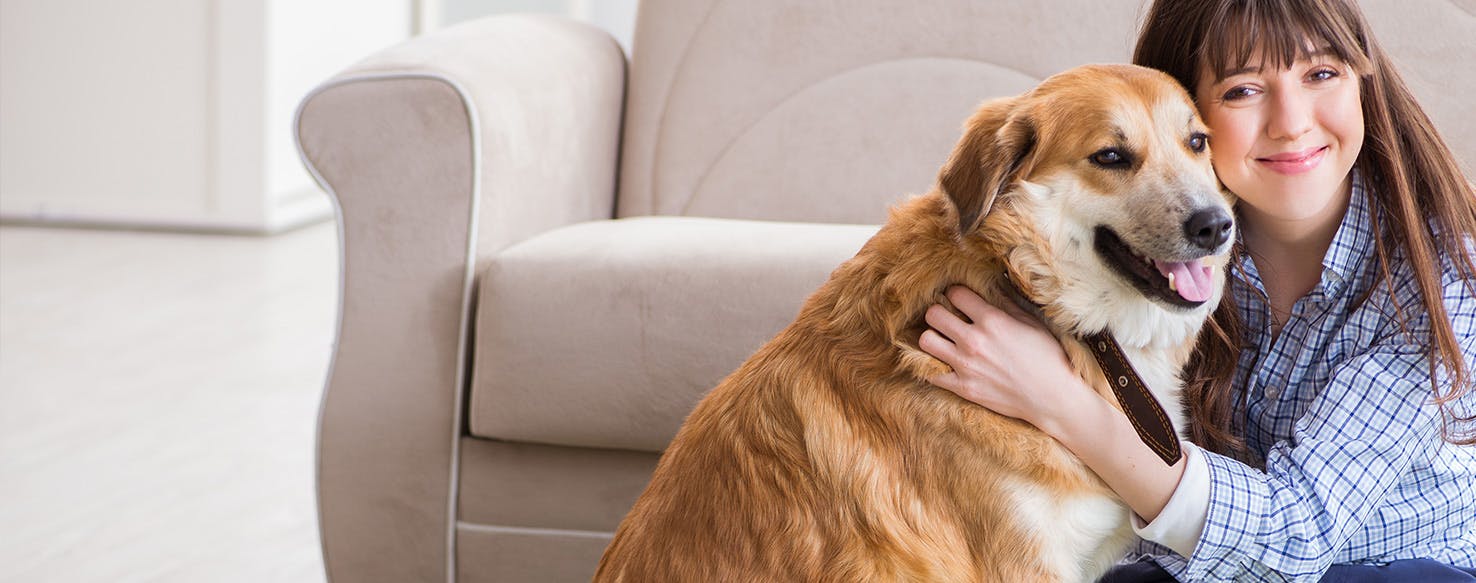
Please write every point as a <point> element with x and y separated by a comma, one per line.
<point>605,334</point>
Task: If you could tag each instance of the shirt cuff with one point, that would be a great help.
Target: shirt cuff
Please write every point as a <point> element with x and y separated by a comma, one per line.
<point>1181,522</point>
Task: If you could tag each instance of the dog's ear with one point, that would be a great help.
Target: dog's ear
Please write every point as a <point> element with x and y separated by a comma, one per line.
<point>995,142</point>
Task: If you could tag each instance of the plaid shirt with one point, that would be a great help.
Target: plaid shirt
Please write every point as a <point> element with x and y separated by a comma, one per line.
<point>1339,416</point>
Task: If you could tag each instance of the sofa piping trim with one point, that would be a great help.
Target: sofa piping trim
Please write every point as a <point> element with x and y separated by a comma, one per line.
<point>466,291</point>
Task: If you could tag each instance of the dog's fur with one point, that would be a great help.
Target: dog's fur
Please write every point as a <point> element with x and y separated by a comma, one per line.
<point>827,456</point>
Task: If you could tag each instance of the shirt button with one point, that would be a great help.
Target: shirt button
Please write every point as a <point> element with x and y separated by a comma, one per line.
<point>1272,392</point>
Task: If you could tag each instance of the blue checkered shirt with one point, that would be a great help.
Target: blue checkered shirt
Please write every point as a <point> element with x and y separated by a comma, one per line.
<point>1339,415</point>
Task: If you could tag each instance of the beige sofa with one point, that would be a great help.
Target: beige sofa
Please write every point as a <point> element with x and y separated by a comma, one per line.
<point>550,253</point>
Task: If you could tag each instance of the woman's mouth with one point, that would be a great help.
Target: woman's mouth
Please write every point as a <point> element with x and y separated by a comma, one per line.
<point>1294,162</point>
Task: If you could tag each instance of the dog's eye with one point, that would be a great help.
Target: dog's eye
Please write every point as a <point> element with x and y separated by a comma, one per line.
<point>1109,158</point>
<point>1197,142</point>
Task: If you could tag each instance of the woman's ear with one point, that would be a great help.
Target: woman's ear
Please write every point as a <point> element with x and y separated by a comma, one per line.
<point>987,158</point>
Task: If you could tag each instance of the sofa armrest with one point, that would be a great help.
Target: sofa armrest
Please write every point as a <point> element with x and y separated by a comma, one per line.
<point>543,99</point>
<point>437,151</point>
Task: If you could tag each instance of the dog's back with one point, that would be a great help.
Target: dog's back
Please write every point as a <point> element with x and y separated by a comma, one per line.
<point>826,457</point>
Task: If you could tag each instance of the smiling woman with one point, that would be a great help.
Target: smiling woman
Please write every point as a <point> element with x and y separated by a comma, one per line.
<point>1351,303</point>
<point>1275,128</point>
<point>1303,101</point>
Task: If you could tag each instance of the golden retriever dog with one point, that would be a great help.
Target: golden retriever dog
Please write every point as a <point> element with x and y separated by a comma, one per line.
<point>828,456</point>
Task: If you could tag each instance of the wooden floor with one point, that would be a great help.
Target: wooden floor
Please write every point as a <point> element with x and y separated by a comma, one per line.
<point>158,402</point>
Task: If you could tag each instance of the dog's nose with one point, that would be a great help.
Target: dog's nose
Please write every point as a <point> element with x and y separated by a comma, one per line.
<point>1208,229</point>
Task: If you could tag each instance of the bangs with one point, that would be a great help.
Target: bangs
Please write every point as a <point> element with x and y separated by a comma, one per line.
<point>1282,32</point>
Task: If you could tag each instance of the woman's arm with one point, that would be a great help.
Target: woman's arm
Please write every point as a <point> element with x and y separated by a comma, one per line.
<point>1334,480</point>
<point>1332,492</point>
<point>1028,377</point>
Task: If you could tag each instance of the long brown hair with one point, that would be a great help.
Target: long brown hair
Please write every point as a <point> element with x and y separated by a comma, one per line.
<point>1407,166</point>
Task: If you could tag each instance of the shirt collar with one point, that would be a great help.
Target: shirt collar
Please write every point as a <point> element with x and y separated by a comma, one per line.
<point>1353,244</point>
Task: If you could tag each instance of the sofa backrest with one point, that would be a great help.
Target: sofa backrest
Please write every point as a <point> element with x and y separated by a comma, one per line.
<point>1433,43</point>
<point>830,111</point>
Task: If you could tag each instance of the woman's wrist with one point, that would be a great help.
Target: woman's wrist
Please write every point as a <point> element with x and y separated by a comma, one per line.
<point>1099,434</point>
<point>1080,423</point>
<point>1073,405</point>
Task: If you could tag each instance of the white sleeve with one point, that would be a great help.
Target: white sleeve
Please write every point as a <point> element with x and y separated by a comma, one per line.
<point>1181,521</point>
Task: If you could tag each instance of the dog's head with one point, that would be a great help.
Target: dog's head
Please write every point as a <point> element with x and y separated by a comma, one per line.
<point>1100,182</point>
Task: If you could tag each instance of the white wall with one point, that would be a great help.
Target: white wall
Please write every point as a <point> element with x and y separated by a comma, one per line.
<point>170,113</point>
<point>311,40</point>
<point>614,16</point>
<point>102,106</point>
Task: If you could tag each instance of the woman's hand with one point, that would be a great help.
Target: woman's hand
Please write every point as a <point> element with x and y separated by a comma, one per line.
<point>1009,362</point>
<point>1004,360</point>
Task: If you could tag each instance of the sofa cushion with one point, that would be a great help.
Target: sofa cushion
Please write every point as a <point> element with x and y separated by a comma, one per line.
<point>606,334</point>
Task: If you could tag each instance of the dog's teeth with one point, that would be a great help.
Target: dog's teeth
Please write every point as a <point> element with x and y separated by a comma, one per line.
<point>1172,287</point>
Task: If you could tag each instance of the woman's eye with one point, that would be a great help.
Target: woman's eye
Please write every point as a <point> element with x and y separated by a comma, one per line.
<point>1323,74</point>
<point>1197,142</point>
<point>1109,158</point>
<point>1238,93</point>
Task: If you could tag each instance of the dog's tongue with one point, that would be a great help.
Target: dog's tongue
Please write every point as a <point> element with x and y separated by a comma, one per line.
<point>1191,279</point>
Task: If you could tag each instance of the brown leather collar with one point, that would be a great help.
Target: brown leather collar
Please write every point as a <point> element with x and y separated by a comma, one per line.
<point>1142,410</point>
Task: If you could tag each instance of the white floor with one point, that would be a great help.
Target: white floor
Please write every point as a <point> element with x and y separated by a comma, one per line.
<point>158,401</point>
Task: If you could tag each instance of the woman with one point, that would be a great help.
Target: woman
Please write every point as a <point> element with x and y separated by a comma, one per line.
<point>1330,397</point>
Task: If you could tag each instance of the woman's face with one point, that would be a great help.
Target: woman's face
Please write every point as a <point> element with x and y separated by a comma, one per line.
<point>1284,140</point>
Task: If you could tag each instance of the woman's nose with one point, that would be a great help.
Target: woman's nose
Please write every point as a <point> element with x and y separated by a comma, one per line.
<point>1291,115</point>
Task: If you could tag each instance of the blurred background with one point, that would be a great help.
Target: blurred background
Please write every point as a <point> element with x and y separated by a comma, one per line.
<point>168,277</point>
